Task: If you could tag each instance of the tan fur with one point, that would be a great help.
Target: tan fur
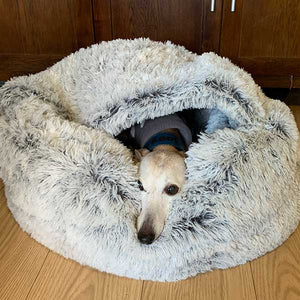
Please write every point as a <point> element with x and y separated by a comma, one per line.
<point>159,168</point>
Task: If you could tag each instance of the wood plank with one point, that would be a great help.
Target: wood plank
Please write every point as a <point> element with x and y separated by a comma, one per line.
<point>212,21</point>
<point>41,33</point>
<point>296,82</point>
<point>10,31</point>
<point>21,258</point>
<point>270,29</point>
<point>159,20</point>
<point>261,37</point>
<point>102,20</point>
<point>63,27</point>
<point>261,29</point>
<point>277,274</point>
<point>231,29</point>
<point>83,23</point>
<point>273,81</point>
<point>269,66</point>
<point>46,27</point>
<point>24,64</point>
<point>61,278</point>
<point>234,283</point>
<point>296,111</point>
<point>293,100</point>
<point>1,184</point>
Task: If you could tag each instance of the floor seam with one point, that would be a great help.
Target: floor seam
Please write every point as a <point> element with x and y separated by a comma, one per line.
<point>142,290</point>
<point>37,275</point>
<point>253,282</point>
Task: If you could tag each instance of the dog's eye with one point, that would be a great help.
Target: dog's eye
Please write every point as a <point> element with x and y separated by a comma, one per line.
<point>140,186</point>
<point>172,189</point>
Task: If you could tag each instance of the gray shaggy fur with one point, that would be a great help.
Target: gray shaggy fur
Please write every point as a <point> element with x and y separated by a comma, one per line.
<point>73,186</point>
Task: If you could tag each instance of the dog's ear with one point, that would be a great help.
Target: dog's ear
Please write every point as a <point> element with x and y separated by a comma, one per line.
<point>183,154</point>
<point>139,153</point>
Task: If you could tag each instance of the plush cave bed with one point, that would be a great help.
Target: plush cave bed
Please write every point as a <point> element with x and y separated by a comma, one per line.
<point>71,182</point>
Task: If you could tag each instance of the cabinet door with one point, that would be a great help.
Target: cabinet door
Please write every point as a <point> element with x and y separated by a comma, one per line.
<point>186,22</point>
<point>36,33</point>
<point>263,37</point>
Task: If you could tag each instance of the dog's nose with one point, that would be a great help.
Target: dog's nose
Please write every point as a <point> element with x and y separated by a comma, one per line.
<point>146,238</point>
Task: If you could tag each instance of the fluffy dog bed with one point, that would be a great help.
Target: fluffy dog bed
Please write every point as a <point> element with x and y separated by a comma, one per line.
<point>72,185</point>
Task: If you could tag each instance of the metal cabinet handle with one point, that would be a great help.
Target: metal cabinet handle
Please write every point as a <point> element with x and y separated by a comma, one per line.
<point>232,5</point>
<point>212,5</point>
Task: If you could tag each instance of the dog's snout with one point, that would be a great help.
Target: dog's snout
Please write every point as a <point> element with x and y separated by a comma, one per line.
<point>146,234</point>
<point>147,238</point>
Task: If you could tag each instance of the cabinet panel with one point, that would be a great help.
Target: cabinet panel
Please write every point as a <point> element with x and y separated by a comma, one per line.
<point>263,36</point>
<point>273,25</point>
<point>102,20</point>
<point>10,30</point>
<point>42,30</point>
<point>43,27</point>
<point>212,21</point>
<point>180,21</point>
<point>19,64</point>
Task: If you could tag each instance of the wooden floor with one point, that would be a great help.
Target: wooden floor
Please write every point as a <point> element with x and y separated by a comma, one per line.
<point>28,270</point>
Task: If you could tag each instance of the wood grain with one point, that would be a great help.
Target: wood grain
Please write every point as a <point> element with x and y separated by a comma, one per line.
<point>102,20</point>
<point>159,20</point>
<point>83,23</point>
<point>11,40</point>
<point>273,81</point>
<point>270,29</point>
<point>235,283</point>
<point>296,111</point>
<point>38,32</point>
<point>296,82</point>
<point>262,37</point>
<point>212,22</point>
<point>45,27</point>
<point>269,66</point>
<point>21,258</point>
<point>277,274</point>
<point>261,29</point>
<point>24,64</point>
<point>63,279</point>
<point>230,32</point>
<point>293,100</point>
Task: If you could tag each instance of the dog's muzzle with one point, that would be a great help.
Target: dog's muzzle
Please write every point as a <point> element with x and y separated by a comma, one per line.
<point>146,238</point>
<point>146,234</point>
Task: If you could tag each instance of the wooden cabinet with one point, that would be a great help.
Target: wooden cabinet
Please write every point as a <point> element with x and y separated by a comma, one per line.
<point>263,38</point>
<point>36,33</point>
<point>260,36</point>
<point>180,21</point>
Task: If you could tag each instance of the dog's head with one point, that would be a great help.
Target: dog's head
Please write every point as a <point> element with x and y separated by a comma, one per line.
<point>162,175</point>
